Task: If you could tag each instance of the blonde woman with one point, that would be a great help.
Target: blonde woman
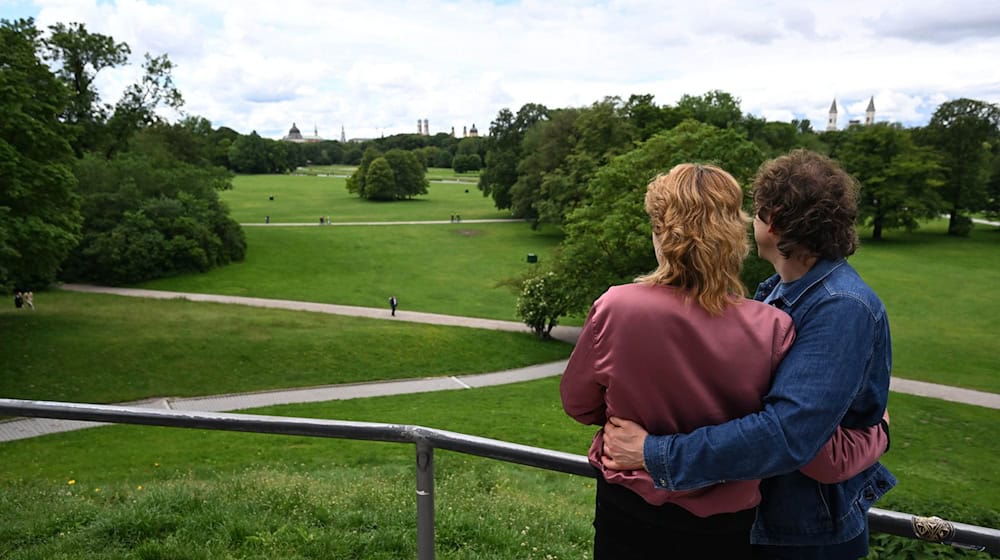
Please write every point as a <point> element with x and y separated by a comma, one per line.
<point>679,349</point>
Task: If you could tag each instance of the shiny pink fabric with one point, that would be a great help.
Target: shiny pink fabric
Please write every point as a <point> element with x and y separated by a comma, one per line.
<point>649,355</point>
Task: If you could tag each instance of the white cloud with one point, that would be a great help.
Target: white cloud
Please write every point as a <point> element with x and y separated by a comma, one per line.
<point>377,67</point>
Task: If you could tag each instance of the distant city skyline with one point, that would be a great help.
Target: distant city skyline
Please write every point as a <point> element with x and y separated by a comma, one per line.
<point>375,68</point>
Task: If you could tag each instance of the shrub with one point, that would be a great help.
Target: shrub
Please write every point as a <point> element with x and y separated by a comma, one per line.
<point>542,301</point>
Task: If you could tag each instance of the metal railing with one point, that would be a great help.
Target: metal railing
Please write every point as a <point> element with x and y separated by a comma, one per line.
<point>931,529</point>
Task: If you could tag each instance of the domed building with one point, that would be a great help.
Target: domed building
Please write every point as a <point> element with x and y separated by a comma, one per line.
<point>294,135</point>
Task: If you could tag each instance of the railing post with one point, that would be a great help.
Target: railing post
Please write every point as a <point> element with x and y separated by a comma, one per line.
<point>425,500</point>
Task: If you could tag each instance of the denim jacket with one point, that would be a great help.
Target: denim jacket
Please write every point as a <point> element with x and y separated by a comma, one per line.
<point>837,373</point>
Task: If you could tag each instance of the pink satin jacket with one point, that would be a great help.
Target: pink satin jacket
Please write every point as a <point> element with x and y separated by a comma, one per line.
<point>651,355</point>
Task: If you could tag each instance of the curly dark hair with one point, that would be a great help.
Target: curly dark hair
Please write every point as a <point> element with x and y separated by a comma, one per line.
<point>811,201</point>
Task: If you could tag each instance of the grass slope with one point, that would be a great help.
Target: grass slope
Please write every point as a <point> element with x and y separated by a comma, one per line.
<point>454,269</point>
<point>100,348</point>
<point>244,494</point>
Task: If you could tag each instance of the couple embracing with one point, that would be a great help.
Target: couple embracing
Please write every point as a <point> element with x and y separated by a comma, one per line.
<point>738,428</point>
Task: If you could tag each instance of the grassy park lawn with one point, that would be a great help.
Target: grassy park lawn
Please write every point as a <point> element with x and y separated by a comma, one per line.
<point>941,296</point>
<point>245,494</point>
<point>303,199</point>
<point>456,269</point>
<point>144,492</point>
<point>101,348</point>
<point>940,292</point>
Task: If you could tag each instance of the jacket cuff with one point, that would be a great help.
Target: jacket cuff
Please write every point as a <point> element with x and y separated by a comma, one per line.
<point>654,452</point>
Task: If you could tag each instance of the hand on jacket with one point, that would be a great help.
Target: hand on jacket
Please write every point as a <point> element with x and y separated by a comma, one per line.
<point>623,443</point>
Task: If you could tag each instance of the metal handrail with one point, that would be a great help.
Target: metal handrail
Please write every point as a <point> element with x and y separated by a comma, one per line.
<point>932,529</point>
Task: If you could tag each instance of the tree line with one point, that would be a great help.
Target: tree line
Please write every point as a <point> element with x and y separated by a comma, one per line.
<point>99,191</point>
<point>252,153</point>
<point>111,192</point>
<point>585,170</point>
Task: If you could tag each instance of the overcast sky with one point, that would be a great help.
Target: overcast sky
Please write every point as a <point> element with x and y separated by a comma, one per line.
<point>375,67</point>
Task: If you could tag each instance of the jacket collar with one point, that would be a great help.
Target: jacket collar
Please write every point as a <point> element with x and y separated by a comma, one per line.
<point>790,292</point>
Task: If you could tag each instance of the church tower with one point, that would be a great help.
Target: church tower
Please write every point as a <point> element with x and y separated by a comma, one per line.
<point>831,123</point>
<point>343,137</point>
<point>870,112</point>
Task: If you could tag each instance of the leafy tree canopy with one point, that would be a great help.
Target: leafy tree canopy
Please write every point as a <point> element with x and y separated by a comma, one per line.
<point>149,213</point>
<point>717,108</point>
<point>503,151</point>
<point>39,209</point>
<point>406,176</point>
<point>966,131</point>
<point>899,180</point>
<point>608,241</point>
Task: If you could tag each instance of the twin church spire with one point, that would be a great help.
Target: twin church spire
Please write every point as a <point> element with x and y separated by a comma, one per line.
<point>831,123</point>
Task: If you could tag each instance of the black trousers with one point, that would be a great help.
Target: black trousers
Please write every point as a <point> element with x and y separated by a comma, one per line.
<point>626,527</point>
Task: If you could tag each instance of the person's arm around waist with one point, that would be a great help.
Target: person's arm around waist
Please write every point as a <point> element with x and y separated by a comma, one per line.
<point>848,453</point>
<point>812,390</point>
<point>845,455</point>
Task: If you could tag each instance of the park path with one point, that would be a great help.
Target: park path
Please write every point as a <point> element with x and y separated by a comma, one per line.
<point>23,428</point>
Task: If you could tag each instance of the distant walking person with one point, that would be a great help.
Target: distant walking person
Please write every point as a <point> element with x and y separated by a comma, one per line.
<point>29,300</point>
<point>392,303</point>
<point>19,301</point>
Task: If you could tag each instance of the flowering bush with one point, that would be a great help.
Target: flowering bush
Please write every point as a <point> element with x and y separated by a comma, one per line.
<point>542,301</point>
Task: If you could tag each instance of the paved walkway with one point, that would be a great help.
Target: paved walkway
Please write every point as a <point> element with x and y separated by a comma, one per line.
<point>566,334</point>
<point>31,427</point>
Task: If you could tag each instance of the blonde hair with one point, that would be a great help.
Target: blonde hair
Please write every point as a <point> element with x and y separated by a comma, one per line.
<point>700,234</point>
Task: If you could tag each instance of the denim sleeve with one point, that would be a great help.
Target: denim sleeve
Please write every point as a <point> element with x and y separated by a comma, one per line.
<point>813,388</point>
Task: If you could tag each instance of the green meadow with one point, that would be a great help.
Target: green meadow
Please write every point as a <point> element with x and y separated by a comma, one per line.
<point>149,493</point>
<point>939,291</point>
<point>141,492</point>
<point>455,269</point>
<point>105,349</point>
<point>941,296</point>
<point>304,198</point>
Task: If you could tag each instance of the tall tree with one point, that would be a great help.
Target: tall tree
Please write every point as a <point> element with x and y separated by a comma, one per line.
<point>608,240</point>
<point>80,56</point>
<point>899,180</point>
<point>39,209</point>
<point>137,107</point>
<point>964,130</point>
<point>546,146</point>
<point>469,153</point>
<point>646,117</point>
<point>407,175</point>
<point>503,151</point>
<point>249,154</point>
<point>561,154</point>
<point>380,181</point>
<point>356,182</point>
<point>410,174</point>
<point>717,108</point>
